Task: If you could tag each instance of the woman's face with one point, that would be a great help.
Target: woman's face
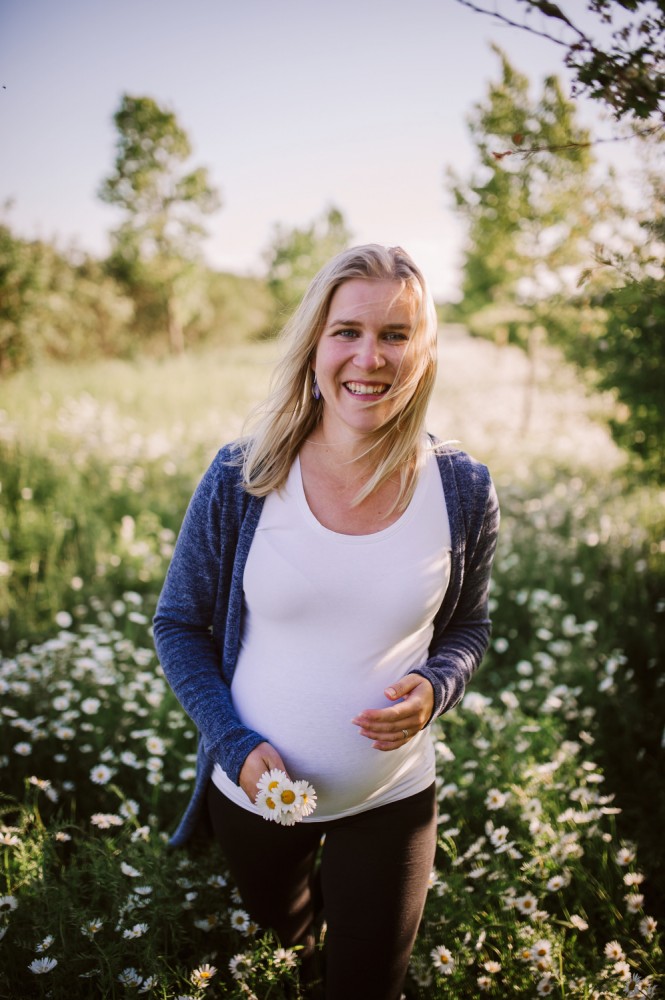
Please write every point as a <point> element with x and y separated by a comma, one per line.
<point>363,346</point>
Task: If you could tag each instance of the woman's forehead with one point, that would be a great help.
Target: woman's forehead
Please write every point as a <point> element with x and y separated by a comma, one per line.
<point>376,297</point>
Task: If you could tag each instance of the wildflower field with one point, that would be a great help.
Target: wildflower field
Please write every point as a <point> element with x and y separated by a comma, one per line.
<point>549,870</point>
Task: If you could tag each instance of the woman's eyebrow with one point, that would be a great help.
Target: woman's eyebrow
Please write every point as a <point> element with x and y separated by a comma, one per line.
<point>358,323</point>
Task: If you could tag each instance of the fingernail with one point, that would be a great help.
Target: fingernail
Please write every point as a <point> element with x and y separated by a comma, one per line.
<point>391,692</point>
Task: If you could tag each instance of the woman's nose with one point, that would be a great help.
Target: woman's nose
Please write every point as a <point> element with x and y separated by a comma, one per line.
<point>368,355</point>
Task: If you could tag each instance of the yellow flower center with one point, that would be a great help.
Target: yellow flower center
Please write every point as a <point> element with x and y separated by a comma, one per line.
<point>288,797</point>
<point>270,803</point>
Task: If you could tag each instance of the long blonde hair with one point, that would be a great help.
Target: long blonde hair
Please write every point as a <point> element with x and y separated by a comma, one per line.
<point>290,413</point>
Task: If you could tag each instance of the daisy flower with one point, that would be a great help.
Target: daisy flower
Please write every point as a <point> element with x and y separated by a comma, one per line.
<point>137,931</point>
<point>128,870</point>
<point>240,965</point>
<point>442,959</point>
<point>267,804</point>
<point>634,901</point>
<point>286,957</point>
<point>42,965</point>
<point>614,951</point>
<point>484,983</point>
<point>492,966</point>
<point>92,927</point>
<point>541,950</point>
<point>104,821</point>
<point>202,976</point>
<point>270,780</point>
<point>306,797</point>
<point>240,920</point>
<point>557,882</point>
<point>101,774</point>
<point>207,923</point>
<point>648,927</point>
<point>526,904</point>
<point>545,986</point>
<point>495,799</point>
<point>45,944</point>
<point>622,970</point>
<point>499,837</point>
<point>7,904</point>
<point>579,922</point>
<point>129,977</point>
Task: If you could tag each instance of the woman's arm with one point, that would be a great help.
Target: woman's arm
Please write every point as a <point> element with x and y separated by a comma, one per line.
<point>199,577</point>
<point>459,644</point>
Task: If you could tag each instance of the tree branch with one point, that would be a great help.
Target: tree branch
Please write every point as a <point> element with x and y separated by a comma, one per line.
<point>498,16</point>
<point>576,145</point>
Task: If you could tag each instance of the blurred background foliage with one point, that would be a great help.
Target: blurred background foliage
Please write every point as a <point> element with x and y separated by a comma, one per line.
<point>557,253</point>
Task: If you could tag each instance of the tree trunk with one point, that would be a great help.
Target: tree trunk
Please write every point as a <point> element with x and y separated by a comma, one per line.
<point>174,326</point>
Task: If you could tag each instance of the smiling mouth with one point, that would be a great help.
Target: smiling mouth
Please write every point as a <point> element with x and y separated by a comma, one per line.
<point>363,389</point>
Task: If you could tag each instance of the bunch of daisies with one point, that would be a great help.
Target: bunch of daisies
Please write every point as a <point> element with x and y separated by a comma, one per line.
<point>282,800</point>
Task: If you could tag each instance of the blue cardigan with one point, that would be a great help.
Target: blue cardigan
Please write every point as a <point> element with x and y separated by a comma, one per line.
<point>197,624</point>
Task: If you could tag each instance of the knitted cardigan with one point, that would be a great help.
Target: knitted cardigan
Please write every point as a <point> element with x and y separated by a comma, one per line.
<point>197,624</point>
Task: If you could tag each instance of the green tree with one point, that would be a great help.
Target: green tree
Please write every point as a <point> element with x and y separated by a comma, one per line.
<point>626,287</point>
<point>295,255</point>
<point>156,248</point>
<point>57,305</point>
<point>528,217</point>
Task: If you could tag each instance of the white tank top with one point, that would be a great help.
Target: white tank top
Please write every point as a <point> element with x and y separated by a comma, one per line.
<point>331,620</point>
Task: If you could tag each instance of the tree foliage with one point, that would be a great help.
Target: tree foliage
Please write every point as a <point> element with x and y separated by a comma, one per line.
<point>528,217</point>
<point>57,305</point>
<point>623,65</point>
<point>157,245</point>
<point>535,267</point>
<point>624,354</point>
<point>295,255</point>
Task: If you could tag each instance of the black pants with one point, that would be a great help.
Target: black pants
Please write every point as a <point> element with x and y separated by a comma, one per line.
<point>370,886</point>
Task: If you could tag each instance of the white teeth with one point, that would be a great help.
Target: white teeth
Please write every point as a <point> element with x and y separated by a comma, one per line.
<point>366,390</point>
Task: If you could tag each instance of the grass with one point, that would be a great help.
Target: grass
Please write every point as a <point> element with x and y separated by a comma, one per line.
<point>548,876</point>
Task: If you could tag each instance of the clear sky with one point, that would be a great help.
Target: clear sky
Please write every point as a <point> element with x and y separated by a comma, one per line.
<point>292,105</point>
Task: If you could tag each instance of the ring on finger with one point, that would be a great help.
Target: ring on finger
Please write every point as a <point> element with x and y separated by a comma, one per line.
<point>405,734</point>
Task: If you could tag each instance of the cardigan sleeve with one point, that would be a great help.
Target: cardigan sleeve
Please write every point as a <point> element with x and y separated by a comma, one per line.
<point>189,651</point>
<point>461,638</point>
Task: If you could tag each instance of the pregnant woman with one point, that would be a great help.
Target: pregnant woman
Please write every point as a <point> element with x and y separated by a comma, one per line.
<point>327,599</point>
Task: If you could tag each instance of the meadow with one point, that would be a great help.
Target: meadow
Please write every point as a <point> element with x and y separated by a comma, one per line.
<point>549,875</point>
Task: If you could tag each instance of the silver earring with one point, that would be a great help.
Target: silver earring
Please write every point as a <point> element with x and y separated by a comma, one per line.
<point>316,392</point>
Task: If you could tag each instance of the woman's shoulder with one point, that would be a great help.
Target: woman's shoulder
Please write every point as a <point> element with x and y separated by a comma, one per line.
<point>227,465</point>
<point>452,458</point>
<point>222,481</point>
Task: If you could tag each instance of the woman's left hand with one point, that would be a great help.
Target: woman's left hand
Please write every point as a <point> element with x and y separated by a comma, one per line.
<point>392,727</point>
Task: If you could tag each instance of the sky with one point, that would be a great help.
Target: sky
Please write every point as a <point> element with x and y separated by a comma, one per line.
<point>292,106</point>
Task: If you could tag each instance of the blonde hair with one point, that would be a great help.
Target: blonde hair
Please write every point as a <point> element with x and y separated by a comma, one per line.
<point>290,413</point>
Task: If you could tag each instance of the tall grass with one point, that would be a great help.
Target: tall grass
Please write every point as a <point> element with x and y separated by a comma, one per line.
<point>548,874</point>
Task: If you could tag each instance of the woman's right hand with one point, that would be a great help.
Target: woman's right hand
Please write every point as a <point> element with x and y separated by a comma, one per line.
<point>262,758</point>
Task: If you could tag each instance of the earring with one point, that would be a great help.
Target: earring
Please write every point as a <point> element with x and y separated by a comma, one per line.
<point>316,392</point>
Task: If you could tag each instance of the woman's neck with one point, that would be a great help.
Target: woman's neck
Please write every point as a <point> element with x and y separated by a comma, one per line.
<point>350,458</point>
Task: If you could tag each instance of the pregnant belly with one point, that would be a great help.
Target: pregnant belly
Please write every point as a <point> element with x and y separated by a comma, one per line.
<point>313,732</point>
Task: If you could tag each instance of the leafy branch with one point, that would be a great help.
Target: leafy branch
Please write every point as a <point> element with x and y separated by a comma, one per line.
<point>627,73</point>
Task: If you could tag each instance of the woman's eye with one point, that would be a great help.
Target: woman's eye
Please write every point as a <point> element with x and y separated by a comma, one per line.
<point>346,333</point>
<point>396,338</point>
